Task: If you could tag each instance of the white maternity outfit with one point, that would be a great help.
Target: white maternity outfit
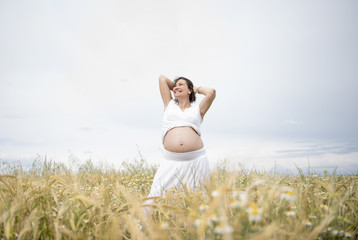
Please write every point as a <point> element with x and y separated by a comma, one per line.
<point>178,169</point>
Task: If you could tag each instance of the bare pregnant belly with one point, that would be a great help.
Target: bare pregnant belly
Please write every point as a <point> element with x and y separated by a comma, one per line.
<point>182,139</point>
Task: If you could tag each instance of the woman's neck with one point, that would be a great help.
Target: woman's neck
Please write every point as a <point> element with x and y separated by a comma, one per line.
<point>184,103</point>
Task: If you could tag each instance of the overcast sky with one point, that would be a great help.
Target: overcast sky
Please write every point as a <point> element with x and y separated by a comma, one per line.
<point>81,78</point>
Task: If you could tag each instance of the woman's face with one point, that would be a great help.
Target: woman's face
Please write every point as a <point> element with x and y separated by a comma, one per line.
<point>181,89</point>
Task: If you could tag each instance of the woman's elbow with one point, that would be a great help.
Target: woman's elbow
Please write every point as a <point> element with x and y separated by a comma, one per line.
<point>212,92</point>
<point>162,77</point>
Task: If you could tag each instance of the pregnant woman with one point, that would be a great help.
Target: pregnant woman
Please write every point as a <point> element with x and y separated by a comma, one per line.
<point>184,158</point>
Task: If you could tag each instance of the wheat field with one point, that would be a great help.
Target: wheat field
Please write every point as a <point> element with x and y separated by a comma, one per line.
<point>57,201</point>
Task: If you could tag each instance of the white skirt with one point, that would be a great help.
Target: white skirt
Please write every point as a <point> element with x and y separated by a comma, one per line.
<point>178,169</point>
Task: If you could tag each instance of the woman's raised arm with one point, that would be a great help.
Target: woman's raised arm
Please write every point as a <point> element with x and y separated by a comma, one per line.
<point>165,86</point>
<point>205,104</point>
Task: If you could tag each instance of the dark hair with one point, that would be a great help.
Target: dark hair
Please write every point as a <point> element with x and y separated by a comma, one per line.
<point>190,85</point>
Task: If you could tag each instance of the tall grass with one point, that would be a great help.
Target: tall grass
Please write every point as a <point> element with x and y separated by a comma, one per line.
<point>84,201</point>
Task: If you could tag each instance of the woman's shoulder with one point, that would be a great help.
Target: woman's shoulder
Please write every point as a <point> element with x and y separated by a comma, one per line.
<point>169,104</point>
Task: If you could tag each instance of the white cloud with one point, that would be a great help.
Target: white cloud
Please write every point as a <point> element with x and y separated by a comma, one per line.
<point>279,72</point>
<point>292,122</point>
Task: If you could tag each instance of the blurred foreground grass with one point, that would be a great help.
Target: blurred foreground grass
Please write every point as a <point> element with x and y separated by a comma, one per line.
<point>56,201</point>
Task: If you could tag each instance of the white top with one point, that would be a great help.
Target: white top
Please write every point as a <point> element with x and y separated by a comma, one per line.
<point>173,117</point>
